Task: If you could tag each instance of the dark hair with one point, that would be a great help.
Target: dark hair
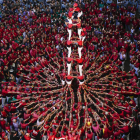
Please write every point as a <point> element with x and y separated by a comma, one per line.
<point>35,128</point>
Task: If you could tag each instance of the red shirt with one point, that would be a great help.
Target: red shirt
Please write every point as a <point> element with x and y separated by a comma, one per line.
<point>89,136</point>
<point>23,126</point>
<point>127,20</point>
<point>4,114</point>
<point>2,123</point>
<point>7,128</point>
<point>105,133</point>
<point>4,92</point>
<point>117,133</point>
<point>26,137</point>
<point>51,137</point>
<point>80,43</point>
<point>137,65</point>
<point>91,47</point>
<point>125,129</point>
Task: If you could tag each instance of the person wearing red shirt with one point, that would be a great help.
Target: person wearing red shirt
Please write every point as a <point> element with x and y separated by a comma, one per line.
<point>33,52</point>
<point>125,130</point>
<point>127,22</point>
<point>94,40</point>
<point>114,57</point>
<point>51,135</point>
<point>2,134</point>
<point>112,40</point>
<point>80,47</point>
<point>2,123</point>
<point>105,135</point>
<point>91,47</point>
<point>119,62</point>
<point>105,50</point>
<point>117,132</point>
<point>89,135</point>
<point>23,125</point>
<point>72,135</point>
<point>27,136</point>
<point>7,127</point>
<point>3,113</point>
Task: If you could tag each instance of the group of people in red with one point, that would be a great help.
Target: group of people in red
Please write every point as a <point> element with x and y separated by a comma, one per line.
<point>50,96</point>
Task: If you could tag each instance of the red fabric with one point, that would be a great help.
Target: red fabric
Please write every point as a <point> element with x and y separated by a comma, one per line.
<point>79,60</point>
<point>81,77</point>
<point>75,5</point>
<point>69,42</point>
<point>77,9</point>
<point>70,26</point>
<point>2,123</point>
<point>69,77</point>
<point>80,43</point>
<point>27,137</point>
<point>69,59</point>
<point>70,14</point>
<point>79,25</point>
<point>23,126</point>
<point>89,136</point>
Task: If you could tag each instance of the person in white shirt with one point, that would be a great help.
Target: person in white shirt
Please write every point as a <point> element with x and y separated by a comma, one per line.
<point>122,56</point>
<point>40,121</point>
<point>132,30</point>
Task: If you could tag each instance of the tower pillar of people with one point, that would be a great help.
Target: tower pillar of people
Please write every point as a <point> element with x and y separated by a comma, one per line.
<point>74,21</point>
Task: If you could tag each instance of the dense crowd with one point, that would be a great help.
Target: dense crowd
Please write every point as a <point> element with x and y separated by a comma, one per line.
<point>36,102</point>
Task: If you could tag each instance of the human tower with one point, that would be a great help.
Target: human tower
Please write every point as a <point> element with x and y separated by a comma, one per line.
<point>73,20</point>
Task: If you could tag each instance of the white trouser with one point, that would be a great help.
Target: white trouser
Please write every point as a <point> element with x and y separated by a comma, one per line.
<point>63,82</point>
<point>69,67</point>
<point>79,51</point>
<point>83,38</point>
<point>80,14</point>
<point>81,83</point>
<point>69,51</point>
<point>80,69</point>
<point>68,82</point>
<point>70,33</point>
<point>3,101</point>
<point>79,33</point>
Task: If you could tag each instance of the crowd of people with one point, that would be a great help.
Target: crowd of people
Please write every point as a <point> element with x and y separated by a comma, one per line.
<point>101,101</point>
